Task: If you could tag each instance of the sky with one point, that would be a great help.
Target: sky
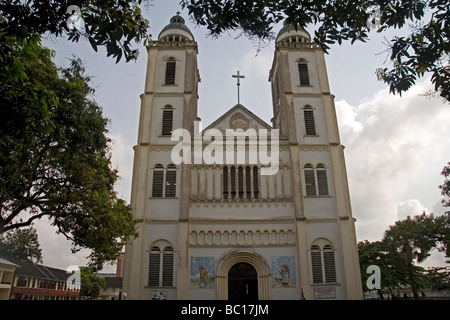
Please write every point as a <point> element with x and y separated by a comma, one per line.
<point>395,147</point>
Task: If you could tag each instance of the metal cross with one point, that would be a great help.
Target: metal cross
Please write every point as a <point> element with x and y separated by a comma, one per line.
<point>238,76</point>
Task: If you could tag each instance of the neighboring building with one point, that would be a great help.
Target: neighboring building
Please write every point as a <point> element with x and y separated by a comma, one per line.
<point>230,230</point>
<point>7,270</point>
<point>119,267</point>
<point>38,282</point>
<point>113,289</point>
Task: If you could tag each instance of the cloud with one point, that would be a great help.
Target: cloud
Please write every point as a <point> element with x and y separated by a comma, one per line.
<point>396,148</point>
<point>410,207</point>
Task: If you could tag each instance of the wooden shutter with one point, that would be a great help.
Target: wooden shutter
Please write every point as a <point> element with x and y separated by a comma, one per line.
<point>158,180</point>
<point>310,125</point>
<point>316,264</point>
<point>153,267</point>
<point>167,267</point>
<point>171,181</point>
<point>304,76</point>
<point>329,264</point>
<point>310,181</point>
<point>167,121</point>
<point>170,72</point>
<point>322,182</point>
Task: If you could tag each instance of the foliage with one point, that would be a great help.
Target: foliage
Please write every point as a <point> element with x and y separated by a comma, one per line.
<point>426,49</point>
<point>439,278</point>
<point>404,243</point>
<point>445,187</point>
<point>91,284</point>
<point>54,153</point>
<point>21,244</point>
<point>109,23</point>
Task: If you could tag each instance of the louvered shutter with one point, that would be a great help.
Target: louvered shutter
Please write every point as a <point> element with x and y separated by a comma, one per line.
<point>329,264</point>
<point>153,269</point>
<point>310,125</point>
<point>304,76</point>
<point>167,267</point>
<point>310,183</point>
<point>322,182</point>
<point>170,72</point>
<point>171,181</point>
<point>167,122</point>
<point>316,263</point>
<point>158,180</point>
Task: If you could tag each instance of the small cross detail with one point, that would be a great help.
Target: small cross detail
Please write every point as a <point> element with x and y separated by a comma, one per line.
<point>238,76</point>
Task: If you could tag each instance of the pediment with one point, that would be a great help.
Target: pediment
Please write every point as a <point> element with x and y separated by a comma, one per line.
<point>239,117</point>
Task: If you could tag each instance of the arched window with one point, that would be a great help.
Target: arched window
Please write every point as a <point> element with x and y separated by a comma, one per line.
<point>310,124</point>
<point>322,181</point>
<point>310,180</point>
<point>170,71</point>
<point>171,180</point>
<point>303,73</point>
<point>158,181</point>
<point>167,121</point>
<point>161,263</point>
<point>322,262</point>
<point>316,181</point>
<point>164,181</point>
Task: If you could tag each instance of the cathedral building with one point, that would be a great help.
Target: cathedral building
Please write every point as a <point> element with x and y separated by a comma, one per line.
<point>242,209</point>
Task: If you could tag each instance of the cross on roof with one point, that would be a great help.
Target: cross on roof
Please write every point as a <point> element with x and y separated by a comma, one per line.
<point>238,76</point>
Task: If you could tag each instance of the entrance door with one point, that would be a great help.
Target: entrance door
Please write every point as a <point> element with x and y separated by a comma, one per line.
<point>242,282</point>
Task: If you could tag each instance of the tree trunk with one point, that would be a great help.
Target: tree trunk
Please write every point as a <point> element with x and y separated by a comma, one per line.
<point>412,282</point>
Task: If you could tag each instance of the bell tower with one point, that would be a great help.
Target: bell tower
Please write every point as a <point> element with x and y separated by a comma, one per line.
<point>160,202</point>
<point>304,112</point>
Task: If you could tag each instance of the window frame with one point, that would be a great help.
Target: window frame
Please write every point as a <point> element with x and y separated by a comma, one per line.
<point>309,121</point>
<point>316,180</point>
<point>161,265</point>
<point>167,121</point>
<point>166,185</point>
<point>323,263</point>
<point>303,72</point>
<point>170,72</point>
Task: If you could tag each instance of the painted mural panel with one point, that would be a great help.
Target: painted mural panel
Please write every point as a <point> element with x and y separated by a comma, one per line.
<point>283,272</point>
<point>202,272</point>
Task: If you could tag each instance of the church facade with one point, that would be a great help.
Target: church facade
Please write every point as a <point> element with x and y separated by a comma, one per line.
<point>264,214</point>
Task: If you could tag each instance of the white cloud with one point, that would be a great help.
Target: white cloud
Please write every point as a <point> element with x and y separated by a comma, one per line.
<point>395,150</point>
<point>410,207</point>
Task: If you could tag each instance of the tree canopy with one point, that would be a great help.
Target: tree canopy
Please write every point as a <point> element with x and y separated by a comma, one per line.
<point>404,244</point>
<point>54,153</point>
<point>21,244</point>
<point>115,25</point>
<point>425,50</point>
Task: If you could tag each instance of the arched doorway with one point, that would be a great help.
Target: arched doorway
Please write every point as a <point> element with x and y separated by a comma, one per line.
<point>232,263</point>
<point>242,282</point>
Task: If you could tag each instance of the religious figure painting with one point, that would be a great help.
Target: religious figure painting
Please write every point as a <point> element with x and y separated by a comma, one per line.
<point>202,272</point>
<point>283,272</point>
